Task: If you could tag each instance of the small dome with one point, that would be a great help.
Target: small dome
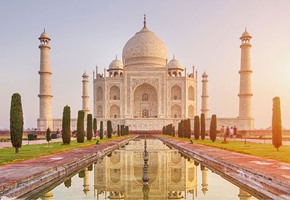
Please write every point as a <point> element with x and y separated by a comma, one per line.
<point>44,35</point>
<point>246,34</point>
<point>85,75</point>
<point>116,64</point>
<point>204,75</point>
<point>174,64</point>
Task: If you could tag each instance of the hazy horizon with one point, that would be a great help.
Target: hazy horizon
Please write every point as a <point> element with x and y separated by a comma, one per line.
<point>200,33</point>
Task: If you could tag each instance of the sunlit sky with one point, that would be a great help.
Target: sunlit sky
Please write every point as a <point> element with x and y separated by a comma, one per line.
<point>200,33</point>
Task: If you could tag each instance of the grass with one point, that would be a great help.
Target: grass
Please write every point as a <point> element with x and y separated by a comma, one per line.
<point>27,152</point>
<point>260,150</point>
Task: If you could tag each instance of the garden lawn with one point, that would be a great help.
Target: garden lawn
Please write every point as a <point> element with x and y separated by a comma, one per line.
<point>260,150</point>
<point>8,155</point>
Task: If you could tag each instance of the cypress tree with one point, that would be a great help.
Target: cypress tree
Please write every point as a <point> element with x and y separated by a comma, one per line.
<point>182,129</point>
<point>122,130</point>
<point>109,128</point>
<point>188,128</point>
<point>119,134</point>
<point>173,131</point>
<point>170,129</point>
<point>89,127</point>
<point>16,122</point>
<point>179,129</point>
<point>95,126</point>
<point>196,127</point>
<point>66,138</point>
<point>47,135</point>
<point>213,130</point>
<point>80,127</point>
<point>101,130</point>
<point>276,124</point>
<point>202,126</point>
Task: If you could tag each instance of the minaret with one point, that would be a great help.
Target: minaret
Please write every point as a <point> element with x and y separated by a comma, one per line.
<point>86,182</point>
<point>204,183</point>
<point>85,96</point>
<point>45,97</point>
<point>204,96</point>
<point>245,95</point>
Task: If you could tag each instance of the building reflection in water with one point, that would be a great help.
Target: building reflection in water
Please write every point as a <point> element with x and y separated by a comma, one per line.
<point>119,176</point>
<point>124,175</point>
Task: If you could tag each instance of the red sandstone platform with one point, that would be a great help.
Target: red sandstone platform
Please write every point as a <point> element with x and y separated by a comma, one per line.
<point>27,175</point>
<point>265,171</point>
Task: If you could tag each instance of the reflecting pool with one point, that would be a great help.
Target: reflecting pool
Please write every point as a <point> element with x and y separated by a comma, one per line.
<point>119,176</point>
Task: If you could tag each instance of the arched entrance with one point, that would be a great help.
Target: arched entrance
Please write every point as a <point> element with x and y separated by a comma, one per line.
<point>145,104</point>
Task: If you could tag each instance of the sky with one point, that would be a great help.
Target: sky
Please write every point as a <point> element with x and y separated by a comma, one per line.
<point>90,33</point>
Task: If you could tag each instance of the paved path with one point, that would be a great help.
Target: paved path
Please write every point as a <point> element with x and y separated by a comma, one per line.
<point>25,142</point>
<point>260,141</point>
<point>270,176</point>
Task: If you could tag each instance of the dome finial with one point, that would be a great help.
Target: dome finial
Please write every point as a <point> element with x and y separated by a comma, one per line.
<point>44,30</point>
<point>245,29</point>
<point>144,21</point>
<point>116,56</point>
<point>173,56</point>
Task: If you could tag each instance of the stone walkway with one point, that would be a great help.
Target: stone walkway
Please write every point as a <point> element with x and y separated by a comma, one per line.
<point>264,175</point>
<point>25,142</point>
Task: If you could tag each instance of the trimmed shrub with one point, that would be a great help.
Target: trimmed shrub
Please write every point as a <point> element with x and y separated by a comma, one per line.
<point>89,127</point>
<point>47,135</point>
<point>122,130</point>
<point>173,131</point>
<point>179,130</point>
<point>196,127</point>
<point>109,129</point>
<point>202,126</point>
<point>276,124</point>
<point>31,136</point>
<point>188,128</point>
<point>213,130</point>
<point>95,128</point>
<point>119,134</point>
<point>66,138</point>
<point>182,129</point>
<point>16,122</point>
<point>53,135</point>
<point>101,130</point>
<point>80,127</point>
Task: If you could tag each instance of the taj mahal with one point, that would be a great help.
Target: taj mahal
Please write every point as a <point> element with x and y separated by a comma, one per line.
<point>145,89</point>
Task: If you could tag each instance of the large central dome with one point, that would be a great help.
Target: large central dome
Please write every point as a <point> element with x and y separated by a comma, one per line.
<point>145,48</point>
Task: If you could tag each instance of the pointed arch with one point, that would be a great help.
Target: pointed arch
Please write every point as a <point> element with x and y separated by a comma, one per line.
<point>100,111</point>
<point>114,111</point>
<point>176,92</point>
<point>191,111</point>
<point>99,95</point>
<point>191,94</point>
<point>175,111</point>
<point>114,93</point>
